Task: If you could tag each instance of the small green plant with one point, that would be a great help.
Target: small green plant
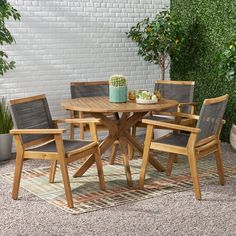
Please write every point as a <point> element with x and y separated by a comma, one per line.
<point>6,123</point>
<point>228,59</point>
<point>158,39</point>
<point>6,12</point>
<point>118,81</point>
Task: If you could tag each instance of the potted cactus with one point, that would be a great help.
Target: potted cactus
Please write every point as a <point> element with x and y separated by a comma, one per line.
<point>118,88</point>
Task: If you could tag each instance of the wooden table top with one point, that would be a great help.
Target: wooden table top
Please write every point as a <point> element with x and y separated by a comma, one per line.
<point>102,105</point>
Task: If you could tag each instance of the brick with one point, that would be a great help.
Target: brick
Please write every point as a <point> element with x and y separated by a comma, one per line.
<point>62,41</point>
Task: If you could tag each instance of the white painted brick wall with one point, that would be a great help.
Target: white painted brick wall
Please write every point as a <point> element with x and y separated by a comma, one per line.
<point>59,41</point>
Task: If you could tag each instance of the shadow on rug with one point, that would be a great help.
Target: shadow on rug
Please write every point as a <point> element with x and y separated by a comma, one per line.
<point>87,196</point>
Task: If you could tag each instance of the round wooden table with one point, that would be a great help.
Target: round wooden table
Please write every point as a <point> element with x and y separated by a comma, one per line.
<point>118,129</point>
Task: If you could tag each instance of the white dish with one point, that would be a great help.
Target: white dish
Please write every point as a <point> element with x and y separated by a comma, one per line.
<point>141,101</point>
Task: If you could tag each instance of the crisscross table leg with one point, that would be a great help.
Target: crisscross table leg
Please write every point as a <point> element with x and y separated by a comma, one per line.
<point>119,130</point>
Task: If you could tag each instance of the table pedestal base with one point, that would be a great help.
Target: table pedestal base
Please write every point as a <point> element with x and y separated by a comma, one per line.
<point>120,130</point>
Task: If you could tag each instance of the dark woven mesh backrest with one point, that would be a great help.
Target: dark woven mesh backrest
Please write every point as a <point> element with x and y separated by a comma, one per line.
<point>89,90</point>
<point>210,119</point>
<point>180,92</point>
<point>32,115</point>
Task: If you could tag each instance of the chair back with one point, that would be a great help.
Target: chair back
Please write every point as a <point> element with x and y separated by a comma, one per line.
<point>32,113</point>
<point>181,91</point>
<point>89,89</point>
<point>210,118</point>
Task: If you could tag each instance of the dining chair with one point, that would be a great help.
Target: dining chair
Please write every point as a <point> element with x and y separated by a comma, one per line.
<point>181,91</point>
<point>90,89</point>
<point>196,142</point>
<point>86,89</point>
<point>37,136</point>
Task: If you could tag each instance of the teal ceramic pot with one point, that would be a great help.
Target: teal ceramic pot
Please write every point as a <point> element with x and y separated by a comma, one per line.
<point>118,94</point>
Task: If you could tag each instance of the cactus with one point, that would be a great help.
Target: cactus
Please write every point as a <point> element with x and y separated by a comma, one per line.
<point>118,81</point>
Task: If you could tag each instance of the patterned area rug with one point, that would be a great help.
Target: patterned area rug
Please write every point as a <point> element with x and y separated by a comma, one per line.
<point>87,196</point>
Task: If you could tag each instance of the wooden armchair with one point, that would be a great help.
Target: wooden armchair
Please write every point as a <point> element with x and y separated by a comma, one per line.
<point>90,89</point>
<point>197,143</point>
<point>38,137</point>
<point>181,91</point>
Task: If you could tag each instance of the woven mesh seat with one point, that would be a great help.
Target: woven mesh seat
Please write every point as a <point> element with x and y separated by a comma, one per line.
<point>163,118</point>
<point>180,140</point>
<point>69,145</point>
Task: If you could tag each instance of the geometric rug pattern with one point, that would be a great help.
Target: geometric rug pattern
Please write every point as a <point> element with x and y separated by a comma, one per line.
<point>87,196</point>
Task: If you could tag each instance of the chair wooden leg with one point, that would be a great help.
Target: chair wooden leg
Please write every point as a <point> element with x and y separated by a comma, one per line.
<point>176,159</point>
<point>113,152</point>
<point>98,161</point>
<point>81,136</point>
<point>153,135</point>
<point>145,157</point>
<point>65,177</point>
<point>17,174</point>
<point>194,173</point>
<point>81,131</point>
<point>219,165</point>
<point>131,148</point>
<point>52,171</point>
<point>170,162</point>
<point>72,132</point>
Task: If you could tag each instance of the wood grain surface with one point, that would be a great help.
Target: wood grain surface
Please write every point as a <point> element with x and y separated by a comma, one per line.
<point>102,104</point>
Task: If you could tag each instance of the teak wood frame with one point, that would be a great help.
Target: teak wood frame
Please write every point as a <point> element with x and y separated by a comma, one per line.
<point>184,120</point>
<point>194,150</point>
<point>60,156</point>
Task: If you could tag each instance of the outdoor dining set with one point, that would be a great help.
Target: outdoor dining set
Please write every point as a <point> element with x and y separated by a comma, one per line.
<point>37,135</point>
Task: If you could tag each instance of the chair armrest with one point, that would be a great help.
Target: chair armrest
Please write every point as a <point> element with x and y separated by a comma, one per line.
<point>193,104</point>
<point>37,131</point>
<point>78,121</point>
<point>185,115</point>
<point>184,104</point>
<point>90,121</point>
<point>171,126</point>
